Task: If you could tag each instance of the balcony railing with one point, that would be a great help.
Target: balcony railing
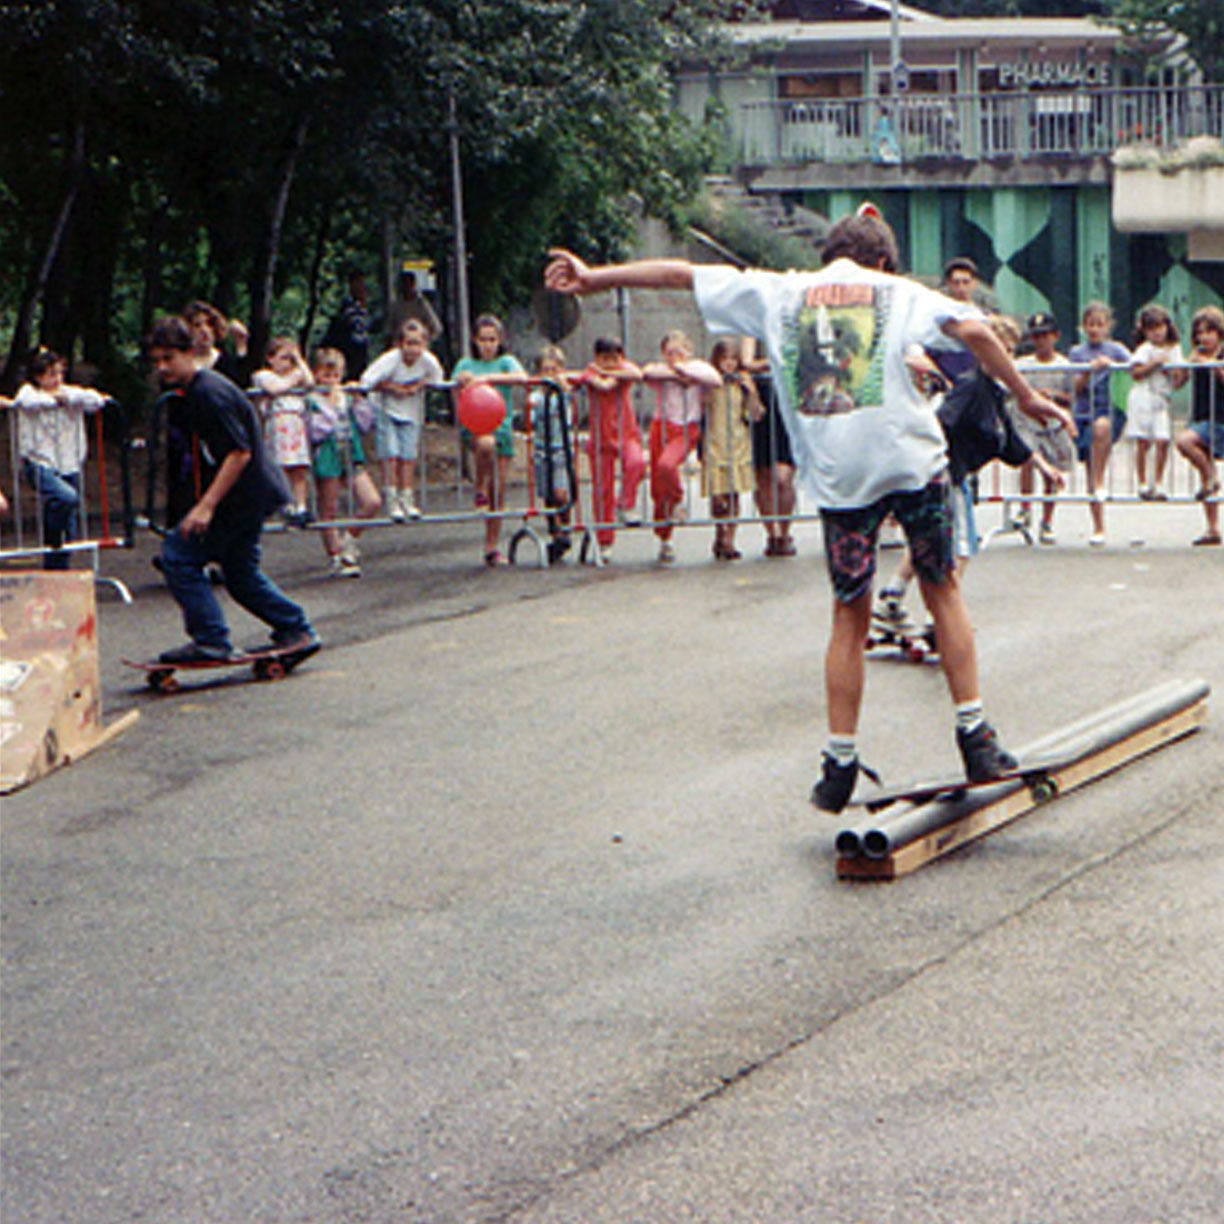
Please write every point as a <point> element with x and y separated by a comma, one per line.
<point>976,126</point>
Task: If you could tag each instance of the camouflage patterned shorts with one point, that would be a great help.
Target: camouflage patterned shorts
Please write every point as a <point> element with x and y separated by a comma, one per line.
<point>850,538</point>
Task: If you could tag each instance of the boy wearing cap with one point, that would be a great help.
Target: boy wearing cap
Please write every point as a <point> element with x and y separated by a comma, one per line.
<point>1050,439</point>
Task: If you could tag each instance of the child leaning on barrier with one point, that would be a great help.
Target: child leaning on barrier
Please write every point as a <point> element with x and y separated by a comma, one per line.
<point>868,444</point>
<point>1097,419</point>
<point>1202,443</point>
<point>335,420</point>
<point>492,362</point>
<point>283,383</point>
<point>613,434</point>
<point>52,447</point>
<point>1155,345</point>
<point>1046,373</point>
<point>552,461</point>
<point>726,461</point>
<point>680,381</point>
<point>397,380</point>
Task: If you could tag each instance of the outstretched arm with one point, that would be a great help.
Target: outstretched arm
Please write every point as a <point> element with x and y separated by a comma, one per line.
<point>566,273</point>
<point>997,362</point>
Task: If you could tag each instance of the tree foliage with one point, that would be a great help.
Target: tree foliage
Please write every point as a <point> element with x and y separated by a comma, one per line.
<point>158,152</point>
<point>1200,22</point>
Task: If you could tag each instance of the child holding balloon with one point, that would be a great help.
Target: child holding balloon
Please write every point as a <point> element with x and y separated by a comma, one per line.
<point>493,364</point>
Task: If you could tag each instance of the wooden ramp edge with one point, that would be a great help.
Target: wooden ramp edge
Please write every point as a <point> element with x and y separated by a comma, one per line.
<point>975,815</point>
<point>50,689</point>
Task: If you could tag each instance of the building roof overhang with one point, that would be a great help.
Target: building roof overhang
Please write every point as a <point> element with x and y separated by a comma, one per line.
<point>996,32</point>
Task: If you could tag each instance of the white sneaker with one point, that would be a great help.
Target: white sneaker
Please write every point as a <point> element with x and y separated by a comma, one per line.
<point>392,503</point>
<point>350,550</point>
<point>667,553</point>
<point>407,504</point>
<point>1096,540</point>
<point>605,553</point>
<point>630,516</point>
<point>341,567</point>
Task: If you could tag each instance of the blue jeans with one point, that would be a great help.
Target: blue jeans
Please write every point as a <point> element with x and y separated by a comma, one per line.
<point>237,551</point>
<point>59,494</point>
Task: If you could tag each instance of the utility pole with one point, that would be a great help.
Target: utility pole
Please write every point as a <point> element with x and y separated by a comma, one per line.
<point>463,332</point>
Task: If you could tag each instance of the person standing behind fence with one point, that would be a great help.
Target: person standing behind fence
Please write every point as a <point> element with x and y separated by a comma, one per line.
<point>411,303</point>
<point>335,421</point>
<point>773,459</point>
<point>397,381</point>
<point>552,459</point>
<point>491,362</point>
<point>1202,443</point>
<point>241,487</point>
<point>283,384</point>
<point>1099,422</point>
<point>221,344</point>
<point>52,447</point>
<point>1148,424</point>
<point>726,470</point>
<point>613,434</point>
<point>1049,438</point>
<point>349,328</point>
<point>680,381</point>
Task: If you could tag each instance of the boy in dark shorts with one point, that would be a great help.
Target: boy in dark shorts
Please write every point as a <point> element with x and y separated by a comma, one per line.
<point>866,441</point>
<point>241,488</point>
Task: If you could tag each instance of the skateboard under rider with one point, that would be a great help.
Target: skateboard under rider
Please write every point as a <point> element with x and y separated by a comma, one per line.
<point>1037,772</point>
<point>274,663</point>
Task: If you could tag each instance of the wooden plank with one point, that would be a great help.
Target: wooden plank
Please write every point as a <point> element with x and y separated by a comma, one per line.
<point>104,736</point>
<point>984,818</point>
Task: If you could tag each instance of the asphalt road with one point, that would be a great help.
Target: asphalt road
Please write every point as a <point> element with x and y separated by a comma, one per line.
<point>510,906</point>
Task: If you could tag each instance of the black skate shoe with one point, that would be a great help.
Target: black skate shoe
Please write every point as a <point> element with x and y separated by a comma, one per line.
<point>984,756</point>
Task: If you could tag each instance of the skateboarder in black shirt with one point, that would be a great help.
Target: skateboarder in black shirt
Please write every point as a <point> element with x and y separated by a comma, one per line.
<point>241,488</point>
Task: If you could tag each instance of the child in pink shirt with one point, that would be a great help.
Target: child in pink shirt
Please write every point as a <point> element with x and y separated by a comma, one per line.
<point>680,381</point>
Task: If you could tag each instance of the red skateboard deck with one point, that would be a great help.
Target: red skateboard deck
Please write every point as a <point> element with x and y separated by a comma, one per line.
<point>272,664</point>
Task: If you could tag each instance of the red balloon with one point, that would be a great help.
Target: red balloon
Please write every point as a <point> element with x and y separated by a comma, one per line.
<point>481,408</point>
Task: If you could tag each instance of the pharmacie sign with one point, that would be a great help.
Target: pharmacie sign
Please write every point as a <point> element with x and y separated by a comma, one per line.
<point>1052,72</point>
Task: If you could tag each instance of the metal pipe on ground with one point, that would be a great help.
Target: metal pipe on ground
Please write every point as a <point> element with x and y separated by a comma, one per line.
<point>1089,736</point>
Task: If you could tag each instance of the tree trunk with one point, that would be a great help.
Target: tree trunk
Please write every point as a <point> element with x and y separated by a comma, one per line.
<point>20,342</point>
<point>261,305</point>
<point>316,271</point>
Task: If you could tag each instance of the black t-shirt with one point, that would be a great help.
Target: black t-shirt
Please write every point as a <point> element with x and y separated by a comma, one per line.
<point>222,417</point>
<point>1206,395</point>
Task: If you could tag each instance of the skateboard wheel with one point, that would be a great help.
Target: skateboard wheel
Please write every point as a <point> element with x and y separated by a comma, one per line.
<point>1045,790</point>
<point>270,669</point>
<point>162,681</point>
<point>915,653</point>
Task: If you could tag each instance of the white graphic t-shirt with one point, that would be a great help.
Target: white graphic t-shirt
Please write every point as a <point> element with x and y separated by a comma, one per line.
<point>836,341</point>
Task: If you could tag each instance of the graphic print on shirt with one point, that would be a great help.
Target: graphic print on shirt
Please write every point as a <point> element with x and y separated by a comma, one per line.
<point>834,354</point>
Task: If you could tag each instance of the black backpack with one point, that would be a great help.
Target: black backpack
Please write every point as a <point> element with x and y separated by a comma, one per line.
<point>978,427</point>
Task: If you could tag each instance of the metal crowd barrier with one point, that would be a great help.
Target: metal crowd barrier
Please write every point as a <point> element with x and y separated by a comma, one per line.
<point>105,517</point>
<point>444,485</point>
<point>1000,485</point>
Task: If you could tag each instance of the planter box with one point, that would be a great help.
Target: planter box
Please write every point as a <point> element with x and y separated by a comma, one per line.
<point>1185,199</point>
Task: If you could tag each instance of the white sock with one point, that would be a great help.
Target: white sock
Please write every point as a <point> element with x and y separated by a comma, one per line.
<point>969,715</point>
<point>841,748</point>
